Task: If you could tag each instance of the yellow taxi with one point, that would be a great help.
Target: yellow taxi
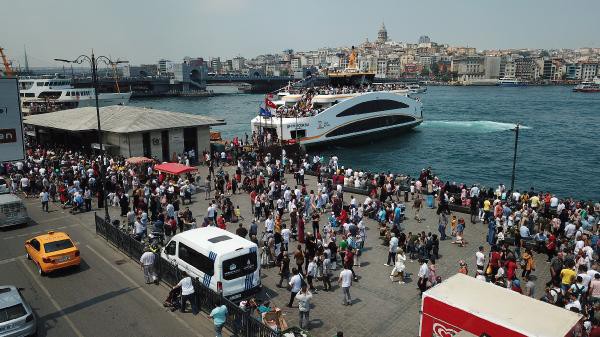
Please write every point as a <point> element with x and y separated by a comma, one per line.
<point>52,251</point>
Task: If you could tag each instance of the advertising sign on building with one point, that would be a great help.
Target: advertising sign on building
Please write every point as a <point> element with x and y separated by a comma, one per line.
<point>11,123</point>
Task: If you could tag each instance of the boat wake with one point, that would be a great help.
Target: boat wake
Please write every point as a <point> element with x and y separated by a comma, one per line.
<point>471,126</point>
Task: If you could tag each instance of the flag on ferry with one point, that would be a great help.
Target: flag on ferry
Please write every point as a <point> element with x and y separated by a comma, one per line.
<point>264,112</point>
<point>270,104</point>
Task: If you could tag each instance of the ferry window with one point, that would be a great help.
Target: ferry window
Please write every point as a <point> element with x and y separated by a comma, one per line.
<point>196,259</point>
<point>297,134</point>
<point>68,93</point>
<point>40,84</point>
<point>30,94</point>
<point>46,84</point>
<point>239,266</point>
<point>371,123</point>
<point>372,106</point>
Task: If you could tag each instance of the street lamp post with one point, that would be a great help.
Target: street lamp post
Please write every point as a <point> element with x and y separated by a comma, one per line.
<point>512,180</point>
<point>93,61</point>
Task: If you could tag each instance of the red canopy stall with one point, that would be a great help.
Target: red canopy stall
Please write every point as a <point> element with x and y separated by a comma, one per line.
<point>174,168</point>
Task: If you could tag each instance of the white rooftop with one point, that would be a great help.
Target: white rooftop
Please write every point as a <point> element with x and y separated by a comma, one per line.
<point>521,313</point>
<point>118,119</point>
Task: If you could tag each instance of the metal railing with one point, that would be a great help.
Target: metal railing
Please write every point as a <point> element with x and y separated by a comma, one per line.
<point>239,321</point>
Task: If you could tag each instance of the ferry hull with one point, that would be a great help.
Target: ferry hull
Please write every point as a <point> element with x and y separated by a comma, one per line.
<point>363,138</point>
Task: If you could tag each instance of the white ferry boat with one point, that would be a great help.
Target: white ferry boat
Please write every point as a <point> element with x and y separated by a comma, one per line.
<point>588,86</point>
<point>509,81</point>
<point>351,107</point>
<point>40,95</point>
<point>416,89</point>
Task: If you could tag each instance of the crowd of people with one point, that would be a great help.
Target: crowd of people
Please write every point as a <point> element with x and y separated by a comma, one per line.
<point>520,223</point>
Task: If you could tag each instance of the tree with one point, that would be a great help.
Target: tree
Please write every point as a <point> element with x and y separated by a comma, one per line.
<point>425,72</point>
<point>435,69</point>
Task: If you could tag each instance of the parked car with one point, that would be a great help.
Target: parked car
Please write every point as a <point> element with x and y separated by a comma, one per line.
<point>4,186</point>
<point>16,316</point>
<point>12,210</point>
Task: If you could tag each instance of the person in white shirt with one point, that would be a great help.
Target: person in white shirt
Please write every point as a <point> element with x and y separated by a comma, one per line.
<point>570,230</point>
<point>187,293</point>
<point>147,262</point>
<point>399,266</point>
<point>480,259</point>
<point>391,260</point>
<point>346,281</point>
<point>269,224</point>
<point>303,297</point>
<point>554,202</point>
<point>295,286</point>
<point>285,234</point>
<point>44,198</point>
<point>423,275</point>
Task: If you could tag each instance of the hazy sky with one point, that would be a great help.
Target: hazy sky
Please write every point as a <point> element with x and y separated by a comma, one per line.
<point>142,31</point>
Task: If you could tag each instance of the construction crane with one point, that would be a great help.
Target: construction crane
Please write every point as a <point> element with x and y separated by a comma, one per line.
<point>7,68</point>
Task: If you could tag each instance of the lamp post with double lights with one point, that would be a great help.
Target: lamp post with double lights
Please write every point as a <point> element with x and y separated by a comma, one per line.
<point>93,61</point>
<point>512,180</point>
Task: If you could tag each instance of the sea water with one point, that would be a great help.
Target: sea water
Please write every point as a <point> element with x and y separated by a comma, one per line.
<point>466,136</point>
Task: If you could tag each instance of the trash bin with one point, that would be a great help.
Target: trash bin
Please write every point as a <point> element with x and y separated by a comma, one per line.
<point>406,196</point>
<point>430,201</point>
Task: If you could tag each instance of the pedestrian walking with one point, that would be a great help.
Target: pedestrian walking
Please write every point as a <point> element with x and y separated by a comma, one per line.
<point>147,261</point>
<point>295,286</point>
<point>44,198</point>
<point>219,316</point>
<point>303,298</point>
<point>187,293</point>
<point>284,269</point>
<point>346,282</point>
<point>417,206</point>
<point>311,273</point>
<point>399,266</point>
<point>391,260</point>
<point>326,277</point>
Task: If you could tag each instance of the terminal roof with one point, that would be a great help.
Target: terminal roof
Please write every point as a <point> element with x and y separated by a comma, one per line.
<point>119,119</point>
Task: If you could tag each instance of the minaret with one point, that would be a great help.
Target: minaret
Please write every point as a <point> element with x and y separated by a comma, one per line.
<point>26,60</point>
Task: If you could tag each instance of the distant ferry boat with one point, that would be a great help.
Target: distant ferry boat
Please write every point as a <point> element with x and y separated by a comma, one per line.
<point>39,95</point>
<point>509,81</point>
<point>416,89</point>
<point>588,86</point>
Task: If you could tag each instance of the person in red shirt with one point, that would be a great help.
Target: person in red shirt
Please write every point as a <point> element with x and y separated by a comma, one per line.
<point>221,222</point>
<point>511,267</point>
<point>494,259</point>
<point>343,217</point>
<point>252,197</point>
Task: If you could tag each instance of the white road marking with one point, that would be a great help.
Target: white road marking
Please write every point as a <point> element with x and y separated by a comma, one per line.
<point>6,261</point>
<point>56,305</point>
<point>38,232</point>
<point>144,291</point>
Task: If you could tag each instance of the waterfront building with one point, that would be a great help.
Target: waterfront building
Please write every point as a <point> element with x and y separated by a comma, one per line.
<point>469,68</point>
<point>492,67</point>
<point>526,69</point>
<point>238,63</point>
<point>587,70</point>
<point>215,65</point>
<point>126,130</point>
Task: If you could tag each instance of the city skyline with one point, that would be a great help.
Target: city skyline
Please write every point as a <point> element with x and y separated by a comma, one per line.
<point>145,32</point>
